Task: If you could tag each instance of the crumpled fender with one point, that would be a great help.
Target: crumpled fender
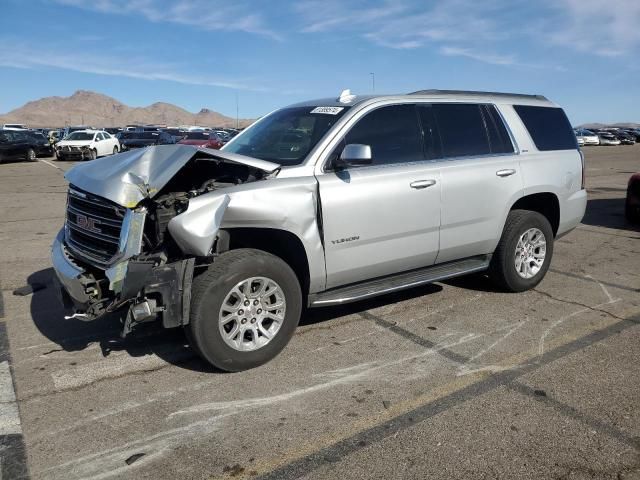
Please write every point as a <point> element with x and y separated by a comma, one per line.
<point>195,229</point>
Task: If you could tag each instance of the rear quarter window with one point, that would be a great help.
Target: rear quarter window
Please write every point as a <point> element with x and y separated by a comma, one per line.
<point>549,127</point>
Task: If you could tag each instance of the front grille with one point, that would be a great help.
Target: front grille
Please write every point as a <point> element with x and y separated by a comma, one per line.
<point>93,227</point>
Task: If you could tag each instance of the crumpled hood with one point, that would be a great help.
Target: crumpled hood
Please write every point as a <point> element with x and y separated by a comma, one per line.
<point>130,177</point>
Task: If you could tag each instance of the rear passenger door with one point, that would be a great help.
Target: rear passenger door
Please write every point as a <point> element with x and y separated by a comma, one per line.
<point>481,177</point>
<point>382,218</point>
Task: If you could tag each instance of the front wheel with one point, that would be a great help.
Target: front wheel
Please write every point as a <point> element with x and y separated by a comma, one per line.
<point>31,155</point>
<point>244,309</point>
<point>115,150</point>
<point>524,252</point>
<point>92,154</point>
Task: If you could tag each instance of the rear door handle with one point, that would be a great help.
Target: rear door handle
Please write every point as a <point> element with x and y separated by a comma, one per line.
<point>506,172</point>
<point>422,183</point>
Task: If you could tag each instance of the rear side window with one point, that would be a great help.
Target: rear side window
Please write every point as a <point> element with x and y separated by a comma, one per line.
<point>462,130</point>
<point>499,139</point>
<point>392,132</point>
<point>549,127</point>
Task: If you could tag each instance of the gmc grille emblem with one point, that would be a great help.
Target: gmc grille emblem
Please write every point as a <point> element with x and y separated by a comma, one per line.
<point>88,223</point>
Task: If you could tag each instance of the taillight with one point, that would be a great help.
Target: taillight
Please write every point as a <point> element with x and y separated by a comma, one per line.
<point>583,170</point>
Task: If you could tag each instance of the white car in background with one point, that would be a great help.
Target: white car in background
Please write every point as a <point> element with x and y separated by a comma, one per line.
<point>87,145</point>
<point>587,136</point>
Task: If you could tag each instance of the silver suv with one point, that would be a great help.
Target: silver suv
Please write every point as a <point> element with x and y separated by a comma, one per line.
<point>316,204</point>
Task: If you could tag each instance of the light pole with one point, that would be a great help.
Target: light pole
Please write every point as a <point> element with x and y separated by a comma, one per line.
<point>373,82</point>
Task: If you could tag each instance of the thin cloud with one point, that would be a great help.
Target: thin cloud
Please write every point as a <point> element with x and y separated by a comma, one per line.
<point>31,58</point>
<point>203,14</point>
<point>597,27</point>
<point>493,59</point>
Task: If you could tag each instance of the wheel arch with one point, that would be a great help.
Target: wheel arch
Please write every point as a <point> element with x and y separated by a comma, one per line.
<point>545,203</point>
<point>281,243</point>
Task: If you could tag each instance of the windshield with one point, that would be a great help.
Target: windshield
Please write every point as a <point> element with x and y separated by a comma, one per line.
<point>80,136</point>
<point>288,135</point>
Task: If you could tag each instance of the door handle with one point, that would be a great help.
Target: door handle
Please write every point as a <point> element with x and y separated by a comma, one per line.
<point>422,183</point>
<point>506,172</point>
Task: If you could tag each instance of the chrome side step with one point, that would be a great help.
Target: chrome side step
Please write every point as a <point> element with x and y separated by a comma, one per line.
<point>400,281</point>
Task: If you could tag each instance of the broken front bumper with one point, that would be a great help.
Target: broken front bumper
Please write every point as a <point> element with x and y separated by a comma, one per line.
<point>150,291</point>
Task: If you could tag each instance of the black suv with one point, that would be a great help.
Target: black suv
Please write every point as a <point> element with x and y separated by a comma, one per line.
<point>20,145</point>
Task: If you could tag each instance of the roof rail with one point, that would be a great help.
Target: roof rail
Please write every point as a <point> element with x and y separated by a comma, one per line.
<point>471,92</point>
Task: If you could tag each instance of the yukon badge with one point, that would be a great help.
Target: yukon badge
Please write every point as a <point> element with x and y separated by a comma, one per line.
<point>343,240</point>
<point>88,223</point>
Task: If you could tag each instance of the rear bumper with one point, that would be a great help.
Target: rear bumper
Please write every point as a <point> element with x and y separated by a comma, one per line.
<point>572,211</point>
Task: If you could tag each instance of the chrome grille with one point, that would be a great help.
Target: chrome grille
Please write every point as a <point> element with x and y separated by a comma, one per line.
<point>93,227</point>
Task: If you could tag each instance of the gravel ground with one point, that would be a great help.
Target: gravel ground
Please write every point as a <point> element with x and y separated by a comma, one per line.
<point>453,380</point>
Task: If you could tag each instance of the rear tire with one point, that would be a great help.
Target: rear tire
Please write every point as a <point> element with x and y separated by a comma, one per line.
<point>524,252</point>
<point>115,150</point>
<point>224,284</point>
<point>631,212</point>
<point>31,155</point>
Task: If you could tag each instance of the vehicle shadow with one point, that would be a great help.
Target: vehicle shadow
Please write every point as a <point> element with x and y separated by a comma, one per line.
<point>608,213</point>
<point>74,335</point>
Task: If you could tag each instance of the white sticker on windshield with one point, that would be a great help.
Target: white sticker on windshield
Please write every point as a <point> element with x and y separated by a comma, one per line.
<point>328,110</point>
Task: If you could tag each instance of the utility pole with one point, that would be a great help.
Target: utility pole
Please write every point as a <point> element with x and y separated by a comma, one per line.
<point>373,82</point>
<point>237,112</point>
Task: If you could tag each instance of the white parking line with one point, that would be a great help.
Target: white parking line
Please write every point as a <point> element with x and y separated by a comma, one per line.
<point>51,165</point>
<point>9,416</point>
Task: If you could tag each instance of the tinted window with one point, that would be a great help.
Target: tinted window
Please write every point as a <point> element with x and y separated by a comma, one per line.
<point>197,135</point>
<point>461,129</point>
<point>549,127</point>
<point>499,140</point>
<point>392,132</point>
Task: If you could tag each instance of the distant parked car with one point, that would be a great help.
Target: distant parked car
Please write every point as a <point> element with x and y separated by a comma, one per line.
<point>14,126</point>
<point>41,145</point>
<point>176,133</point>
<point>87,145</point>
<point>632,204</point>
<point>130,140</point>
<point>608,138</point>
<point>112,130</point>
<point>202,139</point>
<point>624,137</point>
<point>17,145</point>
<point>587,136</point>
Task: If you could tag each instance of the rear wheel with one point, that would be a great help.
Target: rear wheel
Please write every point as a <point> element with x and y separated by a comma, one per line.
<point>524,252</point>
<point>632,212</point>
<point>244,309</point>
<point>115,150</point>
<point>31,155</point>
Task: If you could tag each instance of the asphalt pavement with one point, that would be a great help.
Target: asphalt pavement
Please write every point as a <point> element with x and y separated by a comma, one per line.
<point>453,380</point>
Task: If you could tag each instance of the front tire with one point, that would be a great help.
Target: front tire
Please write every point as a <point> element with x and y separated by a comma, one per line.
<point>93,154</point>
<point>31,155</point>
<point>524,252</point>
<point>115,150</point>
<point>244,309</point>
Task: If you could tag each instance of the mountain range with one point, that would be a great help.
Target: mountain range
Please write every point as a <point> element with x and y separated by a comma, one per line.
<point>98,110</point>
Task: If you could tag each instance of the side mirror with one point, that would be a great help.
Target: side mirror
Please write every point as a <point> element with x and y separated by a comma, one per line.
<point>354,154</point>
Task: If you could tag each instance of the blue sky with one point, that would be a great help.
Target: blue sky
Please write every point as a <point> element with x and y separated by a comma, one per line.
<point>583,54</point>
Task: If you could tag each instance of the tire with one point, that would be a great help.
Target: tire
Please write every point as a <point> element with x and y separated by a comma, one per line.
<point>214,288</point>
<point>503,270</point>
<point>31,155</point>
<point>631,212</point>
<point>115,150</point>
<point>93,154</point>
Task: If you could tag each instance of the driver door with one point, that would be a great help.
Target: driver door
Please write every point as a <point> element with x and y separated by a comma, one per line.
<point>381,218</point>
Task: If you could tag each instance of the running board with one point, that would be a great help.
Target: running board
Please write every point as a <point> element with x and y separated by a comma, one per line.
<point>400,281</point>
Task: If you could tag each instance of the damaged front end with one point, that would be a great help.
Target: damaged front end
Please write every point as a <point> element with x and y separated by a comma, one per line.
<point>127,247</point>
